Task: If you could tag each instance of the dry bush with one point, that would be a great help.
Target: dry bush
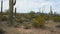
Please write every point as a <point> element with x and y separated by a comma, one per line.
<point>38,22</point>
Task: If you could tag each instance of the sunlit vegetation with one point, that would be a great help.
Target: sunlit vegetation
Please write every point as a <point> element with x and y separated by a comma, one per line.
<point>38,22</point>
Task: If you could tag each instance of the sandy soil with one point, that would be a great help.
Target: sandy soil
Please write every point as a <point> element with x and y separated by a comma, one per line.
<point>50,30</point>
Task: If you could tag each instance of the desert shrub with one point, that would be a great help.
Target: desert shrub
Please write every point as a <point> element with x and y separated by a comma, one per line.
<point>38,22</point>
<point>56,19</point>
<point>2,31</point>
<point>17,25</point>
<point>19,20</point>
<point>26,25</point>
<point>4,18</point>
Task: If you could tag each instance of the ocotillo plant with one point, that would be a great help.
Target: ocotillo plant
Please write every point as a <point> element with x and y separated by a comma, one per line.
<point>11,6</point>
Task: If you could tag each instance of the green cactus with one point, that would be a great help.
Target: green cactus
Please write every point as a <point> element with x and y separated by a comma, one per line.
<point>15,12</point>
<point>14,2</point>
<point>1,8</point>
<point>11,6</point>
<point>51,12</point>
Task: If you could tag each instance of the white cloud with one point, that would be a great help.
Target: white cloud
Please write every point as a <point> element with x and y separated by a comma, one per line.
<point>28,5</point>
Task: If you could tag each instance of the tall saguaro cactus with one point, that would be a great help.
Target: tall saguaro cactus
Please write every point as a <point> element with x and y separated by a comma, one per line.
<point>11,6</point>
<point>51,12</point>
<point>15,14</point>
<point>1,8</point>
<point>42,10</point>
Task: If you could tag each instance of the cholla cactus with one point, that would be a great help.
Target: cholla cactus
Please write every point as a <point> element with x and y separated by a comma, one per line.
<point>11,6</point>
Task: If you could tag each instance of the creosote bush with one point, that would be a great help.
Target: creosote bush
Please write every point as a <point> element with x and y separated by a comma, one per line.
<point>38,22</point>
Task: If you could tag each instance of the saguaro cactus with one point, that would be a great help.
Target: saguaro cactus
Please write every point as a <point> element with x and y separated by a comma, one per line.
<point>11,6</point>
<point>1,9</point>
<point>1,6</point>
<point>51,12</point>
<point>15,12</point>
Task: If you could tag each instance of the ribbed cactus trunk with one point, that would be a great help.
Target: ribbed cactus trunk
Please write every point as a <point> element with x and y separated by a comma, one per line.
<point>1,9</point>
<point>15,12</point>
<point>1,6</point>
<point>51,12</point>
<point>11,6</point>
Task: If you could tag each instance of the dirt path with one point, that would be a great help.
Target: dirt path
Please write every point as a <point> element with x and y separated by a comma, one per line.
<point>38,31</point>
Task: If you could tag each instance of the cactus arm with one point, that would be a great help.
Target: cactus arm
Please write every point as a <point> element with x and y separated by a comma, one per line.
<point>15,12</point>
<point>14,2</point>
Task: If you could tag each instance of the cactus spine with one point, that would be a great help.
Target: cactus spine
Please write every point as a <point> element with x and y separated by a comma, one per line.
<point>11,6</point>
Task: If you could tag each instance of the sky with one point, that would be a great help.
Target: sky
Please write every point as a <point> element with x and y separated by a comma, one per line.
<point>25,6</point>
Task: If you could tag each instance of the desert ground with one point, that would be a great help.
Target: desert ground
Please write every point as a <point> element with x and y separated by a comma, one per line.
<point>50,29</point>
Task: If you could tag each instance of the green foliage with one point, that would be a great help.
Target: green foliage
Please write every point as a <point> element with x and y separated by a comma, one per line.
<point>38,22</point>
<point>32,14</point>
<point>27,25</point>
<point>22,19</point>
<point>2,31</point>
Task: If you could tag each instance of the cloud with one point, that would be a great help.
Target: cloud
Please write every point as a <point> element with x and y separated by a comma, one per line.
<point>24,6</point>
<point>30,5</point>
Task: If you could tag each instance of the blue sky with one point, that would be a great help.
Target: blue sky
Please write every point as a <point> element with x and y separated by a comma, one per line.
<point>24,6</point>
